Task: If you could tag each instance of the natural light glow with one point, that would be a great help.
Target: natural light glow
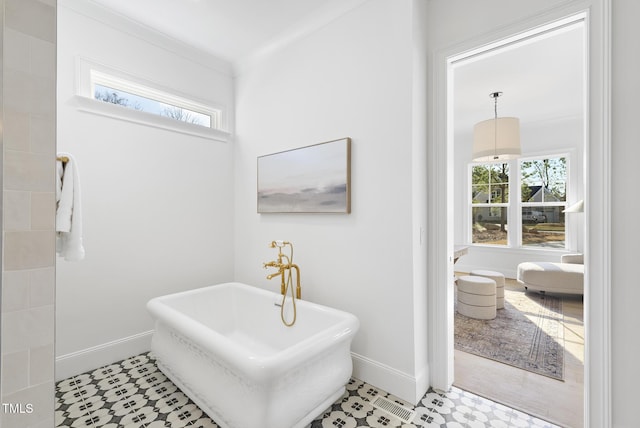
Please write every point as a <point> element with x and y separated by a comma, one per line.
<point>114,90</point>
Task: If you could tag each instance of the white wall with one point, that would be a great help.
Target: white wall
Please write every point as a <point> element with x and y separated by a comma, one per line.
<point>538,138</point>
<point>157,205</point>
<point>352,78</point>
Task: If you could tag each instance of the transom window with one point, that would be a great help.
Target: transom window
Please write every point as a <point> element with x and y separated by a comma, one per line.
<point>117,94</point>
<point>114,90</point>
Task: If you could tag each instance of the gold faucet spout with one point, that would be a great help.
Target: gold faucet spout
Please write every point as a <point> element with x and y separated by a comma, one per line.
<point>274,275</point>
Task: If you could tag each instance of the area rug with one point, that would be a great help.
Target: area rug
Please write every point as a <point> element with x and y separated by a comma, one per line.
<point>528,333</point>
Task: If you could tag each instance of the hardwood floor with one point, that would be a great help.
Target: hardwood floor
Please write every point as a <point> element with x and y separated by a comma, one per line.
<point>555,401</point>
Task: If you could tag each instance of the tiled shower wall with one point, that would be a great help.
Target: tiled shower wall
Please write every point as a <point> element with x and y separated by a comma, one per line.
<point>28,210</point>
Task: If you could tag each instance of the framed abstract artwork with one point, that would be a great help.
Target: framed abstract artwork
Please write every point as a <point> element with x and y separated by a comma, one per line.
<point>311,179</point>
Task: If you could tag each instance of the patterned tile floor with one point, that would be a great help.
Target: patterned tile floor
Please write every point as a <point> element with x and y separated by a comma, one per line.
<point>134,393</point>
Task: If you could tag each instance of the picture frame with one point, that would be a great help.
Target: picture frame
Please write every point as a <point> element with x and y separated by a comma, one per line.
<point>310,179</point>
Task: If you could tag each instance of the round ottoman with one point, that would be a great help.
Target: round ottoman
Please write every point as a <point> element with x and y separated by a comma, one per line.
<point>477,297</point>
<point>499,279</point>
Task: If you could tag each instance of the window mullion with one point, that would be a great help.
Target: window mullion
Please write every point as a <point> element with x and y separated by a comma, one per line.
<point>515,217</point>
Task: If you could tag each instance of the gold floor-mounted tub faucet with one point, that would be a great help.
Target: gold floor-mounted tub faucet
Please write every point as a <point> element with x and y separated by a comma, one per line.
<point>285,264</point>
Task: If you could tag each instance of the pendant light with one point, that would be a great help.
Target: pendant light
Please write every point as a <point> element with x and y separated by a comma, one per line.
<point>497,138</point>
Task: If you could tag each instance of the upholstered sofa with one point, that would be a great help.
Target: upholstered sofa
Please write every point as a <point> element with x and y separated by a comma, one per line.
<point>564,277</point>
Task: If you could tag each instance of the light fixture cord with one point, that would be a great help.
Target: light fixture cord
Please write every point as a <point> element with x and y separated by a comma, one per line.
<point>495,96</point>
<point>495,127</point>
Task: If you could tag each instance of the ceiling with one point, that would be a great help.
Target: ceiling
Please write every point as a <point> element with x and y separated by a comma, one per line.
<point>540,78</point>
<point>232,30</point>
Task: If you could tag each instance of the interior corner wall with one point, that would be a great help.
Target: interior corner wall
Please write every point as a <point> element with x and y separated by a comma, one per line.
<point>157,205</point>
<point>352,78</point>
<point>28,39</point>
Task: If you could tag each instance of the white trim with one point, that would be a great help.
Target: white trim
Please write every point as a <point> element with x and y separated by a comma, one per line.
<point>440,229</point>
<point>597,402</point>
<point>93,106</point>
<point>97,356</point>
<point>598,390</point>
<point>382,376</point>
<point>419,137</point>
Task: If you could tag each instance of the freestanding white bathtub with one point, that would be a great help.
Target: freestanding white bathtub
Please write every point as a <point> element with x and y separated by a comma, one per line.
<point>226,348</point>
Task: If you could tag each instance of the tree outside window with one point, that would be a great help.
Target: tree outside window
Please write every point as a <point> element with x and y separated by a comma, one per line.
<point>489,203</point>
<point>543,198</point>
<point>150,105</point>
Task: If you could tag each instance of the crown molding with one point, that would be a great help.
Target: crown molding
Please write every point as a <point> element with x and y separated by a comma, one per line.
<point>122,23</point>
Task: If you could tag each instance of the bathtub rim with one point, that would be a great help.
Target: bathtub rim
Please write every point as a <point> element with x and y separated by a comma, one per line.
<point>242,357</point>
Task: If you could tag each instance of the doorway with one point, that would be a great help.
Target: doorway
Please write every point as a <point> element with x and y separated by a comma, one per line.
<point>536,71</point>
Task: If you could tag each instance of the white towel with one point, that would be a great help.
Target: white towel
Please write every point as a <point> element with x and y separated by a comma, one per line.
<point>69,211</point>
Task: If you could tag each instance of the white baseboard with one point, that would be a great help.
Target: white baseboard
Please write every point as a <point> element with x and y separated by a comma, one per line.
<point>391,380</point>
<point>400,384</point>
<point>92,358</point>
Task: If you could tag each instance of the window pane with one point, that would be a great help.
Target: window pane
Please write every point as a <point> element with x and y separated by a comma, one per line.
<point>480,194</point>
<point>543,226</point>
<point>499,183</point>
<point>136,102</point>
<point>526,192</point>
<point>489,225</point>
<point>121,98</point>
<point>544,180</point>
<point>557,191</point>
<point>490,183</point>
<point>499,193</point>
<point>185,115</point>
<point>500,173</point>
<point>480,174</point>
